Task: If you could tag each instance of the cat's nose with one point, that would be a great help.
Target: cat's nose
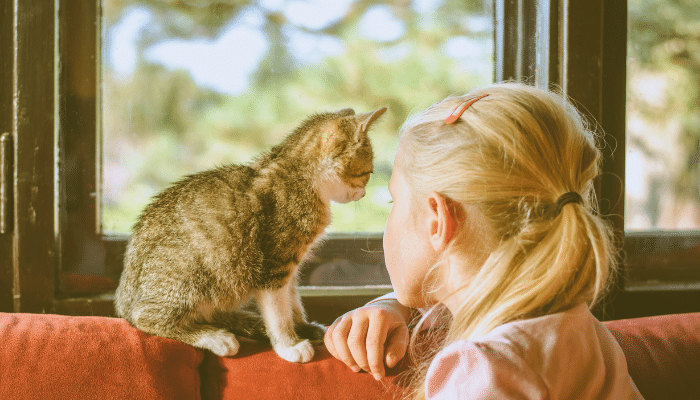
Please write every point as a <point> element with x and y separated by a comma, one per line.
<point>359,193</point>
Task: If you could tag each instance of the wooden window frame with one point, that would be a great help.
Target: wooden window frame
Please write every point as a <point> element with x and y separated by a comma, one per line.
<point>28,95</point>
<point>50,110</point>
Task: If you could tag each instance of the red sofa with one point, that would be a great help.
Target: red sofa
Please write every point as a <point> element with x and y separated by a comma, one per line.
<point>58,357</point>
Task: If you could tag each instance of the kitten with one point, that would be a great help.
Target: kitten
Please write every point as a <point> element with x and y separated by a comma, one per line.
<point>216,239</point>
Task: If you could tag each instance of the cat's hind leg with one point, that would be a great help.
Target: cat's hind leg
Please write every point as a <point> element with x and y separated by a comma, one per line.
<point>242,323</point>
<point>277,311</point>
<point>165,322</point>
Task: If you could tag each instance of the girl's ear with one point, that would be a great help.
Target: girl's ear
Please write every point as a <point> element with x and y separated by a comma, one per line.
<point>441,221</point>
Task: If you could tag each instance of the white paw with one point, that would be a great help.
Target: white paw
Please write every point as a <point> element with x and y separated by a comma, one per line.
<point>222,343</point>
<point>301,352</point>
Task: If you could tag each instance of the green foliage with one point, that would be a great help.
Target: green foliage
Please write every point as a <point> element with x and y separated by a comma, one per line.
<point>664,106</point>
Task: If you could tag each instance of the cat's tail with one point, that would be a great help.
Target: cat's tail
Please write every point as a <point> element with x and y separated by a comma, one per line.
<point>242,323</point>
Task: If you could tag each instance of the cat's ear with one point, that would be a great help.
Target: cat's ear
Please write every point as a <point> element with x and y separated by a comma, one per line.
<point>365,120</point>
<point>345,112</point>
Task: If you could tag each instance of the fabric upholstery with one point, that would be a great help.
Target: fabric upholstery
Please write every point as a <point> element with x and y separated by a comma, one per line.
<point>57,357</point>
<point>663,354</point>
<point>256,372</point>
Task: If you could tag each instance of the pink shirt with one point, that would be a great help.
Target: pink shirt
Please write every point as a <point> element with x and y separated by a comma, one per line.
<point>568,355</point>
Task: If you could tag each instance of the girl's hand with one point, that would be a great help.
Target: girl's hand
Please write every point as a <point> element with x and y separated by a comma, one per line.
<point>370,336</point>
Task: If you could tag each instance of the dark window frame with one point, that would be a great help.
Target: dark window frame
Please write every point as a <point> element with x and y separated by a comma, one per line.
<point>50,110</point>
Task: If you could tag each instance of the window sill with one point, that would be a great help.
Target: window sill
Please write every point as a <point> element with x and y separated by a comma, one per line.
<point>656,286</point>
<point>322,303</point>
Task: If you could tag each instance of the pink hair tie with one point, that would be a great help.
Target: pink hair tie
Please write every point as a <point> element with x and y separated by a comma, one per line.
<point>459,110</point>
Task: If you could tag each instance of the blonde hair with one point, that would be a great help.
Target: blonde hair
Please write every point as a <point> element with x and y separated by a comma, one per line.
<point>512,154</point>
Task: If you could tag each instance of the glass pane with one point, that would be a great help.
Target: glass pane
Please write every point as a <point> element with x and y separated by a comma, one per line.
<point>662,182</point>
<point>663,116</point>
<point>188,86</point>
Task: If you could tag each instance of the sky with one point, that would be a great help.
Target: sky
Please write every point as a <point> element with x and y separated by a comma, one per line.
<point>226,63</point>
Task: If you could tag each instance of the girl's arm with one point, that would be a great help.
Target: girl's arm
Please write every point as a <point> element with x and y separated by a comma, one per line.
<point>370,336</point>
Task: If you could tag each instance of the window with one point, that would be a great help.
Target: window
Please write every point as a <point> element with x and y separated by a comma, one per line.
<point>662,202</point>
<point>175,98</point>
<point>188,87</point>
<point>61,252</point>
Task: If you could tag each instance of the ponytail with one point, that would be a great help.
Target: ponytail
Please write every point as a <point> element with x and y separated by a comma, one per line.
<point>526,159</point>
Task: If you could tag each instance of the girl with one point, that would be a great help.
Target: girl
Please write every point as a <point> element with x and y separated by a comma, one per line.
<point>494,219</point>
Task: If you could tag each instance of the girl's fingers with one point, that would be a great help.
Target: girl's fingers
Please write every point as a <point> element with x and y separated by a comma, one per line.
<point>368,337</point>
<point>396,345</point>
<point>356,341</point>
<point>328,338</point>
<point>340,342</point>
<point>376,338</point>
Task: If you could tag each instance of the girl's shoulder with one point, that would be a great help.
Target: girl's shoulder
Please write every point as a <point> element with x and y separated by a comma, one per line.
<point>564,355</point>
<point>545,333</point>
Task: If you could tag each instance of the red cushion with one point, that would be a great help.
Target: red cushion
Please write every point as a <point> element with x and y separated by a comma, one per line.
<point>256,372</point>
<point>58,357</point>
<point>50,356</point>
<point>663,354</point>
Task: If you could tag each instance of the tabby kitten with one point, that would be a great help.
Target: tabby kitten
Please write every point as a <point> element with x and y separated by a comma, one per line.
<point>215,240</point>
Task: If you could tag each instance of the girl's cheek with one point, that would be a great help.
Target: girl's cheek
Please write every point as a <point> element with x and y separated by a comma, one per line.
<point>389,244</point>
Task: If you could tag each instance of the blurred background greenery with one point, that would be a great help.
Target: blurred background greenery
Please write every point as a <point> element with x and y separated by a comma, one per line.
<point>662,179</point>
<point>191,85</point>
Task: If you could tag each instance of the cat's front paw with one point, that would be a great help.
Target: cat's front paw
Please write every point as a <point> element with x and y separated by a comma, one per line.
<point>301,352</point>
<point>222,343</point>
<point>310,330</point>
